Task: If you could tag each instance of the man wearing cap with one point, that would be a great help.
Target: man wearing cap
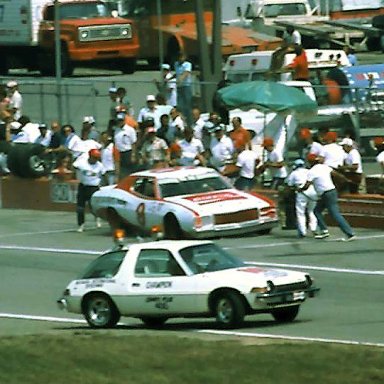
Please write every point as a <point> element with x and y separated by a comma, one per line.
<point>333,154</point>
<point>149,111</point>
<point>112,92</point>
<point>353,167</point>
<point>192,150</point>
<point>305,201</point>
<point>275,162</point>
<point>125,141</point>
<point>45,135</point>
<point>154,153</point>
<point>15,99</point>
<point>320,176</point>
<point>221,148</point>
<point>310,146</point>
<point>167,86</point>
<point>90,172</point>
<point>88,130</point>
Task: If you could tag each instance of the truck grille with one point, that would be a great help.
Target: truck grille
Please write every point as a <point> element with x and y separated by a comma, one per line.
<point>105,32</point>
<point>236,217</point>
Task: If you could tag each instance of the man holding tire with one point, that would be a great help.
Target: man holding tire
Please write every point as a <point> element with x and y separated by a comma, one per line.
<point>90,172</point>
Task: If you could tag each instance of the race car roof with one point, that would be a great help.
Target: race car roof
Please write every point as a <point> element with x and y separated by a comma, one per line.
<point>176,172</point>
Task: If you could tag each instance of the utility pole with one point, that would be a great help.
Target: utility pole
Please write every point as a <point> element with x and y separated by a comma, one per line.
<point>58,59</point>
<point>210,56</point>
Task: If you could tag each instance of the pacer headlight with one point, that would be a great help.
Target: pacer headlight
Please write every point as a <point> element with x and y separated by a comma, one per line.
<point>84,35</point>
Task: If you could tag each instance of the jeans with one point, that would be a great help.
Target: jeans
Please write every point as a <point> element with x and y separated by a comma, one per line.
<point>84,194</point>
<point>184,102</point>
<point>329,200</point>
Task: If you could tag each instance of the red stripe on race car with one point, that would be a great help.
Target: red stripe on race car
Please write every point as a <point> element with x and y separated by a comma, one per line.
<point>215,197</point>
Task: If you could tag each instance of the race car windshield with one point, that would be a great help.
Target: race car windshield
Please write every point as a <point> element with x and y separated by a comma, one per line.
<point>209,258</point>
<point>191,186</point>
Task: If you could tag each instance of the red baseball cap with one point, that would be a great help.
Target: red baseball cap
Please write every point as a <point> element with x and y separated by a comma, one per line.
<point>94,153</point>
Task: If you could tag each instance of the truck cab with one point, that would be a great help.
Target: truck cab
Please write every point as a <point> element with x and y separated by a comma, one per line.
<point>176,22</point>
<point>89,33</point>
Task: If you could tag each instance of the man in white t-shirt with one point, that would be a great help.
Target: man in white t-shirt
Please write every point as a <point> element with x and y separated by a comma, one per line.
<point>333,154</point>
<point>353,167</point>
<point>15,99</point>
<point>151,110</point>
<point>90,172</point>
<point>319,176</point>
<point>305,201</point>
<point>125,142</point>
<point>221,148</point>
<point>275,162</point>
<point>379,145</point>
<point>192,150</point>
<point>247,161</point>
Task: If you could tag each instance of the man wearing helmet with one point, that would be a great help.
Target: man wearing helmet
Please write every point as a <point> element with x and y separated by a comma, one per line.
<point>90,172</point>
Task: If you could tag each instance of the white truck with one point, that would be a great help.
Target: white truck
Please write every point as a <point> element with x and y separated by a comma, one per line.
<point>88,33</point>
<point>316,28</point>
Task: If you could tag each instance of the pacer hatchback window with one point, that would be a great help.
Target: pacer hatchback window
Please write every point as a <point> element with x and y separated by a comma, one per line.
<point>105,266</point>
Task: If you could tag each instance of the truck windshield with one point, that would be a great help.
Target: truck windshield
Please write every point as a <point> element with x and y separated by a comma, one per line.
<point>137,8</point>
<point>78,11</point>
<point>292,9</point>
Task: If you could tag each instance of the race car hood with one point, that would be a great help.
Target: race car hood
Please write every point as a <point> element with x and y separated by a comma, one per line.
<point>219,202</point>
<point>251,276</point>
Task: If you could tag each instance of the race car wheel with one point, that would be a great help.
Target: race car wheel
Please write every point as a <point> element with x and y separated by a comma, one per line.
<point>172,229</point>
<point>154,322</point>
<point>229,310</point>
<point>286,315</point>
<point>100,311</point>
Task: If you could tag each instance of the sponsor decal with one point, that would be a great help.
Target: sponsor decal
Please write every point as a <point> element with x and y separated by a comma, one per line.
<point>215,197</point>
<point>161,302</point>
<point>140,214</point>
<point>158,284</point>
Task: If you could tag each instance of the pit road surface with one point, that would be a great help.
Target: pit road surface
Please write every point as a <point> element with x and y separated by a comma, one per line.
<point>40,252</point>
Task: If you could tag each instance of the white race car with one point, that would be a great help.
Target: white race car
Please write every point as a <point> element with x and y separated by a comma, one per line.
<point>180,202</point>
<point>159,280</point>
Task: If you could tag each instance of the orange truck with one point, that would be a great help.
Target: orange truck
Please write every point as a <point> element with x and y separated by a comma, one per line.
<point>177,23</point>
<point>89,34</point>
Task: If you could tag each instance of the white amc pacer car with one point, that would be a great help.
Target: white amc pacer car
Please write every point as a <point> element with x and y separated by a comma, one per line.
<point>194,202</point>
<point>159,280</point>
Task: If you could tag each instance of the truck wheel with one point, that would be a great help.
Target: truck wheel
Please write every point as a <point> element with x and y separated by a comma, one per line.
<point>26,160</point>
<point>3,64</point>
<point>286,315</point>
<point>373,44</point>
<point>128,66</point>
<point>229,310</point>
<point>100,311</point>
<point>66,64</point>
<point>154,322</point>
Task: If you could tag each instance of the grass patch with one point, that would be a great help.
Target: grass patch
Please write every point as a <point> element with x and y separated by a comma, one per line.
<point>112,358</point>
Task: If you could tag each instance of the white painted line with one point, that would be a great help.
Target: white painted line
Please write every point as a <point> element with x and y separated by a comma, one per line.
<point>293,338</point>
<point>36,233</point>
<point>208,331</point>
<point>41,318</point>
<point>53,250</point>
<point>316,268</point>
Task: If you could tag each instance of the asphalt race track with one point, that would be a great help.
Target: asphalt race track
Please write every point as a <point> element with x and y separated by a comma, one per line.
<point>40,252</point>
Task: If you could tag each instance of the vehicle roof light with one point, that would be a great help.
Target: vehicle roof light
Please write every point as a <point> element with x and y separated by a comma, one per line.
<point>254,61</point>
<point>119,236</point>
<point>231,63</point>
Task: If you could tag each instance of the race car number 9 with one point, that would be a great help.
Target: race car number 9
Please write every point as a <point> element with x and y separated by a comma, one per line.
<point>140,212</point>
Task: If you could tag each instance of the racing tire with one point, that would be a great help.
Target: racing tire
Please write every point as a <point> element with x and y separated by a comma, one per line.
<point>286,315</point>
<point>172,229</point>
<point>114,219</point>
<point>25,160</point>
<point>229,310</point>
<point>100,312</point>
<point>154,322</point>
